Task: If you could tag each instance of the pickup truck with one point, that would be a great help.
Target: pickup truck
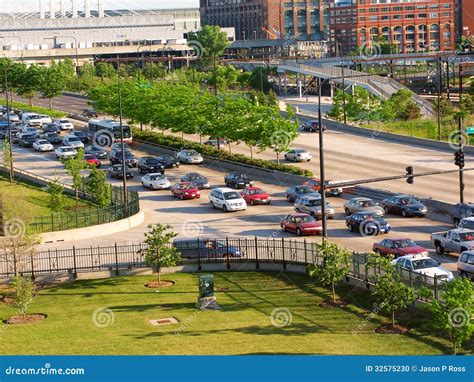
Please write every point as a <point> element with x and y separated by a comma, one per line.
<point>455,240</point>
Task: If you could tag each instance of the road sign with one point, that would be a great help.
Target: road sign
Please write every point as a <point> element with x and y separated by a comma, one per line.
<point>470,130</point>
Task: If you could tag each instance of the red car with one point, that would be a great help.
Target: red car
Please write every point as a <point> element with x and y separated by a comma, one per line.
<point>315,184</point>
<point>301,224</point>
<point>399,247</point>
<point>255,195</point>
<point>185,190</point>
<point>92,160</point>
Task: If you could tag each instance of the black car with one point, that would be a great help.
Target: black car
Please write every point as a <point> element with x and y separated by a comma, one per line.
<point>83,136</point>
<point>99,152</point>
<point>116,172</point>
<point>3,133</point>
<point>148,165</point>
<point>90,113</point>
<point>116,158</point>
<point>404,205</point>
<point>169,161</point>
<point>237,180</point>
<point>367,223</point>
<point>312,126</point>
<point>206,248</point>
<point>27,140</point>
<point>197,180</point>
<point>461,211</point>
<point>51,128</point>
<point>53,138</point>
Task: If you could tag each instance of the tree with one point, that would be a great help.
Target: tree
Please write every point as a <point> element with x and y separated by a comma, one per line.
<point>467,105</point>
<point>74,166</point>
<point>52,82</point>
<point>57,200</point>
<point>159,252</point>
<point>99,188</point>
<point>335,266</point>
<point>30,83</point>
<point>392,294</point>
<point>24,293</point>
<point>446,107</point>
<point>105,71</point>
<point>453,314</point>
<point>212,40</point>
<point>7,158</point>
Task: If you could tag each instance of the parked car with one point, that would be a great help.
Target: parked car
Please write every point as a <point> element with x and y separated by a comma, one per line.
<point>301,224</point>
<point>117,146</point>
<point>150,164</point>
<point>29,131</point>
<point>99,152</point>
<point>156,181</point>
<point>53,138</point>
<point>399,247</point>
<point>3,133</point>
<point>255,195</point>
<point>45,119</point>
<point>215,142</point>
<point>298,155</point>
<point>50,128</point>
<point>83,136</point>
<point>43,145</point>
<point>461,211</point>
<point>312,126</point>
<point>64,124</point>
<point>92,160</point>
<point>455,240</point>
<point>362,205</point>
<point>185,190</point>
<point>367,223</point>
<point>198,180</point>
<point>311,204</point>
<point>295,192</point>
<point>467,223</point>
<point>404,205</point>
<point>466,264</point>
<point>31,119</point>
<point>14,118</point>
<point>73,141</point>
<point>424,266</point>
<point>189,156</point>
<point>315,184</point>
<point>116,171</point>
<point>206,248</point>
<point>90,113</point>
<point>115,157</point>
<point>65,152</point>
<point>27,140</point>
<point>169,161</point>
<point>227,199</point>
<point>237,180</point>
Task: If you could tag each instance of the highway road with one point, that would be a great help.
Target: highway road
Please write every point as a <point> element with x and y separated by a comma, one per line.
<point>350,156</point>
<point>195,218</point>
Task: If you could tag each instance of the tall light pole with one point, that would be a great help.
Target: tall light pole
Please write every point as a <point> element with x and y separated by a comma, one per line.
<point>124,173</point>
<point>438,70</point>
<point>7,103</point>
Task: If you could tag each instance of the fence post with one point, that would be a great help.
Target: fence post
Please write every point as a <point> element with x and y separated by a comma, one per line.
<point>257,264</point>
<point>305,252</point>
<point>77,219</point>
<point>199,255</point>
<point>116,261</point>
<point>74,261</point>
<point>227,252</point>
<point>435,284</point>
<point>283,252</point>
<point>32,269</point>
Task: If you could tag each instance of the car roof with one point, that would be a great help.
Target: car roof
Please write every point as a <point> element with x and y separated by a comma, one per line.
<point>463,230</point>
<point>360,199</point>
<point>253,188</point>
<point>299,215</point>
<point>224,189</point>
<point>415,256</point>
<point>312,196</point>
<point>470,219</point>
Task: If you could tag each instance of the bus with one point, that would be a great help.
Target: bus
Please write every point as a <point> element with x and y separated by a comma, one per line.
<point>107,131</point>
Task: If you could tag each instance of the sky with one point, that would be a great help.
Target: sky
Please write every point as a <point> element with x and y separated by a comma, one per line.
<point>27,5</point>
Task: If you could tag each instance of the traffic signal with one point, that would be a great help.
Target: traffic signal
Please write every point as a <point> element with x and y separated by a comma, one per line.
<point>410,171</point>
<point>459,158</point>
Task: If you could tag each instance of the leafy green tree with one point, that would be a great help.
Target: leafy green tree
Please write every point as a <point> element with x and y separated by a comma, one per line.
<point>74,166</point>
<point>57,200</point>
<point>392,294</point>
<point>453,314</point>
<point>24,294</point>
<point>212,39</point>
<point>99,188</point>
<point>30,83</point>
<point>335,266</point>
<point>104,70</point>
<point>159,251</point>
<point>446,107</point>
<point>152,71</point>
<point>467,105</point>
<point>52,82</point>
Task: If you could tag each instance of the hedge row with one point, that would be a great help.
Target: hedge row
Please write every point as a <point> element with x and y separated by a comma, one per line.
<point>34,109</point>
<point>178,143</point>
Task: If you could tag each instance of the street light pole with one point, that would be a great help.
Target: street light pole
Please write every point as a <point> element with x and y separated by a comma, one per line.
<point>7,103</point>
<point>124,173</point>
<point>461,151</point>
<point>438,69</point>
<point>322,175</point>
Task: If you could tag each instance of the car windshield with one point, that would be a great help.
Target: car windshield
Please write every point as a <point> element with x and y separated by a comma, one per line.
<point>314,202</point>
<point>304,219</point>
<point>304,190</point>
<point>424,263</point>
<point>367,203</point>
<point>191,152</point>
<point>404,243</point>
<point>63,121</point>
<point>406,201</point>
<point>371,217</point>
<point>68,149</point>
<point>157,177</point>
<point>256,192</point>
<point>466,236</point>
<point>242,177</point>
<point>74,139</point>
<point>152,161</point>
<point>89,157</point>
<point>469,224</point>
<point>43,142</point>
<point>231,195</point>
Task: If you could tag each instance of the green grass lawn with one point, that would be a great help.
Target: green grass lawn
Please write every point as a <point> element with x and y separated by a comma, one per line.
<point>243,326</point>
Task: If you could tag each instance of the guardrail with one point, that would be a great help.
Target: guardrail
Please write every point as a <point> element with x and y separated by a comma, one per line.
<point>232,253</point>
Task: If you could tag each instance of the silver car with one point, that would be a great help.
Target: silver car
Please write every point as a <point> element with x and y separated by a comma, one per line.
<point>298,155</point>
<point>311,205</point>
<point>466,264</point>
<point>189,156</point>
<point>362,205</point>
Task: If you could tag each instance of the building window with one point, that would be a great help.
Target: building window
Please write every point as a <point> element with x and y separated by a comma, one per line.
<point>410,16</point>
<point>433,6</point>
<point>410,8</point>
<point>446,14</point>
<point>385,18</point>
<point>373,18</point>
<point>422,15</point>
<point>397,9</point>
<point>446,5</point>
<point>397,17</point>
<point>434,15</point>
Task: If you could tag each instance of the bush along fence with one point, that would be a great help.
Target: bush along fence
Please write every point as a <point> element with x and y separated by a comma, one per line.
<point>174,142</point>
<point>235,254</point>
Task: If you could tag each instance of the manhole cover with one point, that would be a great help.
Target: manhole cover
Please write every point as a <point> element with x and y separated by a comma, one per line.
<point>164,321</point>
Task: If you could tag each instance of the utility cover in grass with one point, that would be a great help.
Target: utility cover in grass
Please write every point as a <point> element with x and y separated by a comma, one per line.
<point>164,321</point>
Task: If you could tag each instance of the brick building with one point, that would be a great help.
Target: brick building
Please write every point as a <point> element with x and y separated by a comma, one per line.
<point>412,25</point>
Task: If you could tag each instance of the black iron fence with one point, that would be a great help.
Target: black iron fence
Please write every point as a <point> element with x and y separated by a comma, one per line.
<point>235,254</point>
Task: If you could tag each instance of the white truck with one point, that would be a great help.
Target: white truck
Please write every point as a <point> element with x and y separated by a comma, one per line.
<point>456,240</point>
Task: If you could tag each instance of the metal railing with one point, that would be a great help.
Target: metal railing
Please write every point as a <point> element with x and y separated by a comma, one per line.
<point>232,253</point>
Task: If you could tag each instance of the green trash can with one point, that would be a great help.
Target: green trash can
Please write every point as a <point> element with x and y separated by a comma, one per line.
<point>206,286</point>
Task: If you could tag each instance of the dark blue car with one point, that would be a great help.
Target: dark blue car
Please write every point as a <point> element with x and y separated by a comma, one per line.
<point>367,223</point>
<point>206,248</point>
<point>296,192</point>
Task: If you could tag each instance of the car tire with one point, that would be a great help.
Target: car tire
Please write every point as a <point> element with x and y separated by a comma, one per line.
<point>404,213</point>
<point>439,249</point>
<point>288,198</point>
<point>252,202</point>
<point>181,196</point>
<point>456,222</point>
<point>224,208</point>
<point>347,212</point>
<point>213,206</point>
<point>386,209</point>
<point>298,231</point>
<point>350,227</point>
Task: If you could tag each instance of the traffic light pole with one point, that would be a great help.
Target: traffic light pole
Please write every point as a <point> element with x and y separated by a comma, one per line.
<point>461,151</point>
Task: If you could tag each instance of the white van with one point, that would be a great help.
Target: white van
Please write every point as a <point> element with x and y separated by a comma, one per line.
<point>32,119</point>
